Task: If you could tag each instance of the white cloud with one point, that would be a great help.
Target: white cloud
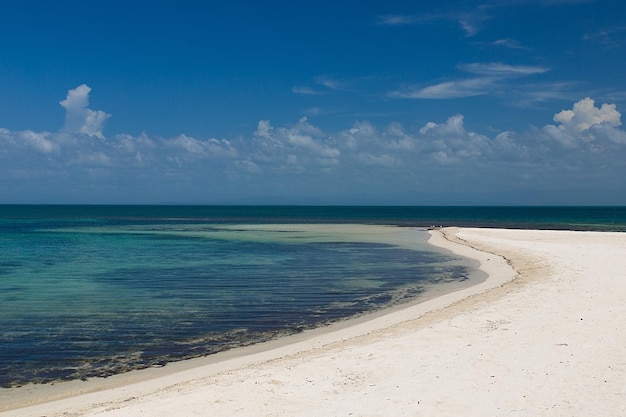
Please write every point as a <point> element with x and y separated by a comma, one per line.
<point>43,143</point>
<point>587,126</point>
<point>491,78</point>
<point>94,160</point>
<point>499,69</point>
<point>510,43</point>
<point>398,138</point>
<point>397,20</point>
<point>383,160</point>
<point>470,21</point>
<point>609,38</point>
<point>79,118</point>
<point>304,126</point>
<point>585,114</point>
<point>442,154</point>
<point>277,145</point>
<point>263,130</point>
<point>307,142</point>
<point>561,136</point>
<point>248,166</point>
<point>328,82</point>
<point>509,146</point>
<point>453,126</point>
<point>442,157</point>
<point>450,89</point>
<point>312,111</point>
<point>454,140</point>
<point>305,90</point>
<point>529,94</point>
<point>197,147</point>
<point>39,141</point>
<point>609,132</point>
<point>359,135</point>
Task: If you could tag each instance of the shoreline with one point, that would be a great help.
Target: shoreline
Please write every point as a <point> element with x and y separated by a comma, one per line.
<point>325,301</point>
<point>367,346</point>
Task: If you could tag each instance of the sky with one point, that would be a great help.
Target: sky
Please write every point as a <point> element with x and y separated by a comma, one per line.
<point>391,102</point>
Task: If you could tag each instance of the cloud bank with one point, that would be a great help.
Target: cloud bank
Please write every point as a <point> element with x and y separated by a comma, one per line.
<point>585,148</point>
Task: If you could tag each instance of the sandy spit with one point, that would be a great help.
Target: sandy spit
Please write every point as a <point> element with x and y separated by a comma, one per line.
<point>545,335</point>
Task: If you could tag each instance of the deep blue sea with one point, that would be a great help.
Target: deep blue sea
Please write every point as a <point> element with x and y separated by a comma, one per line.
<point>97,290</point>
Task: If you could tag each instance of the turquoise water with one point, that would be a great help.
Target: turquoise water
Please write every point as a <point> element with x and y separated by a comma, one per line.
<point>96,290</point>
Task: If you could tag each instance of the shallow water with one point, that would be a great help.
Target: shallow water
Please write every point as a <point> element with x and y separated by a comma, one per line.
<point>98,295</point>
<point>98,290</point>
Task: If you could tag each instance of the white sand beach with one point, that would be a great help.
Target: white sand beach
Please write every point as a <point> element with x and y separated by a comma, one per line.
<point>544,335</point>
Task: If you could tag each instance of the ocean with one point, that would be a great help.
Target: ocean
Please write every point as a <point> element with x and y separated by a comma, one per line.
<point>91,291</point>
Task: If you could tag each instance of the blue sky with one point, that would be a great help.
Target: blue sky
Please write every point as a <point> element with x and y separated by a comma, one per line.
<point>287,102</point>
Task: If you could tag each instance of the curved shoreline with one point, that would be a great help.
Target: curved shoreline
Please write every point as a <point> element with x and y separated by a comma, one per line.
<point>37,394</point>
<point>467,340</point>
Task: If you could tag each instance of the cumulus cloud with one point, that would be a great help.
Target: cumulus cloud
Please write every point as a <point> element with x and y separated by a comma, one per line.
<point>263,130</point>
<point>452,127</point>
<point>586,125</point>
<point>209,147</point>
<point>450,141</point>
<point>360,135</point>
<point>302,138</point>
<point>41,142</point>
<point>585,114</point>
<point>278,160</point>
<point>79,118</point>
